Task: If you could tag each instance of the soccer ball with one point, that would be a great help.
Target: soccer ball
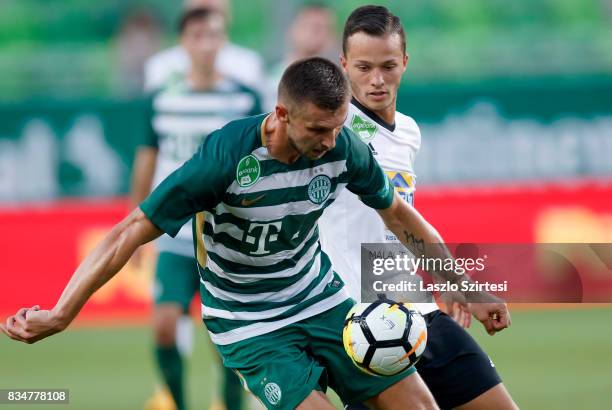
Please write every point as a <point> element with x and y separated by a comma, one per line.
<point>384,338</point>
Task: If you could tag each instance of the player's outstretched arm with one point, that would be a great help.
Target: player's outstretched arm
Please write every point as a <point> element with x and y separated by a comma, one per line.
<point>422,239</point>
<point>30,325</point>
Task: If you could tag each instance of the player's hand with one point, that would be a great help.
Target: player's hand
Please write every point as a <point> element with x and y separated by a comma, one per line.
<point>30,325</point>
<point>456,307</point>
<point>493,314</point>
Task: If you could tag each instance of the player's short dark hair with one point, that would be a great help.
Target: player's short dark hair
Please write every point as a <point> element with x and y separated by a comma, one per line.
<point>191,15</point>
<point>315,80</point>
<point>375,21</point>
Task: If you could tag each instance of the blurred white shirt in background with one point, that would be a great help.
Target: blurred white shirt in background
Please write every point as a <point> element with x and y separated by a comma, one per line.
<point>239,63</point>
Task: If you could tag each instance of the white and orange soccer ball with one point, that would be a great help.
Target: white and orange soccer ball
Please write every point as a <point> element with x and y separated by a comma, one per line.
<point>384,338</point>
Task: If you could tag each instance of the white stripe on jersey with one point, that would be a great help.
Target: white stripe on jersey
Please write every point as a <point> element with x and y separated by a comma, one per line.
<point>168,124</point>
<point>260,328</point>
<point>283,295</point>
<point>276,212</point>
<point>232,102</point>
<point>255,277</point>
<point>291,178</point>
<point>227,228</point>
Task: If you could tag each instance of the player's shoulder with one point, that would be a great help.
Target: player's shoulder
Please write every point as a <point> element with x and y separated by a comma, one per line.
<point>165,66</point>
<point>231,84</point>
<point>172,54</point>
<point>406,122</point>
<point>226,146</point>
<point>346,142</point>
<point>240,137</point>
<point>162,96</point>
<point>176,83</point>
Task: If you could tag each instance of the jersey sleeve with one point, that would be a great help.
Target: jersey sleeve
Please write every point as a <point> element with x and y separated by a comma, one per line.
<point>198,185</point>
<point>366,178</point>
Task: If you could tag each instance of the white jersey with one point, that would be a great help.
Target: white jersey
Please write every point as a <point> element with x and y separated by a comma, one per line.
<point>348,223</point>
<point>233,61</point>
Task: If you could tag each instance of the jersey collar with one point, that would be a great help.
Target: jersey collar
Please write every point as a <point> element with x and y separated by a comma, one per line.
<point>372,115</point>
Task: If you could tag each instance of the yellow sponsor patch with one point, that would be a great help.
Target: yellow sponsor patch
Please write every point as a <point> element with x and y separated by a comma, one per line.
<point>403,183</point>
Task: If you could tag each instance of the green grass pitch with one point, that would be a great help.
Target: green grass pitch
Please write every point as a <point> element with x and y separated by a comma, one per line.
<point>556,359</point>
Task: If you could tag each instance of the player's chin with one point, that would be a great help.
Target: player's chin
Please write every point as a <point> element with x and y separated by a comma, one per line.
<point>378,102</point>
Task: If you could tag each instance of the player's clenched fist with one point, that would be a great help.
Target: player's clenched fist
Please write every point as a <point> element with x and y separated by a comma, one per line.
<point>494,316</point>
<point>30,325</point>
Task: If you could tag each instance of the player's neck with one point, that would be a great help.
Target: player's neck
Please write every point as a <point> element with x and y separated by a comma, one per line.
<point>203,79</point>
<point>387,114</point>
<point>275,139</point>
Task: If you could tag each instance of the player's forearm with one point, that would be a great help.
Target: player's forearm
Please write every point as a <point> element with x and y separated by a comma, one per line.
<point>107,258</point>
<point>421,238</point>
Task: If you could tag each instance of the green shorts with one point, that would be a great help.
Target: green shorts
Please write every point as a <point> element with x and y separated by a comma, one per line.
<point>176,280</point>
<point>283,367</point>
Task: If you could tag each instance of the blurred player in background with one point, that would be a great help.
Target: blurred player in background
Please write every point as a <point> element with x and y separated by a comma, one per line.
<point>312,33</point>
<point>139,38</point>
<point>233,61</point>
<point>454,367</point>
<point>183,112</point>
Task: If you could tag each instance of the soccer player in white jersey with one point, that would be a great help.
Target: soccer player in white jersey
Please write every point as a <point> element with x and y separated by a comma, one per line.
<point>233,61</point>
<point>271,301</point>
<point>454,367</point>
<point>182,113</point>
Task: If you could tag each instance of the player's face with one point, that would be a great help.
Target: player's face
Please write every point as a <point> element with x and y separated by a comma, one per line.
<point>375,66</point>
<point>312,131</point>
<point>202,39</point>
<point>312,31</point>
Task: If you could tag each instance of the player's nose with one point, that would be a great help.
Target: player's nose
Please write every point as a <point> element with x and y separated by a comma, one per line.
<point>377,79</point>
<point>329,141</point>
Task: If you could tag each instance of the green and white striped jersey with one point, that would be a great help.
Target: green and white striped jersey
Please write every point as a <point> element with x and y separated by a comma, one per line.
<point>257,244</point>
<point>179,119</point>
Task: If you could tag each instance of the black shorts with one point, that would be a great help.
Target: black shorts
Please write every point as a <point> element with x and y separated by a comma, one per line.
<point>453,366</point>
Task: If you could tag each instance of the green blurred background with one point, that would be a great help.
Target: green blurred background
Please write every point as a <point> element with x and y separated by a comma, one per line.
<point>68,48</point>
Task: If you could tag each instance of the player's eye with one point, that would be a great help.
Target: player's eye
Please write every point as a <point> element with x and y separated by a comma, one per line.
<point>390,67</point>
<point>317,130</point>
<point>362,68</point>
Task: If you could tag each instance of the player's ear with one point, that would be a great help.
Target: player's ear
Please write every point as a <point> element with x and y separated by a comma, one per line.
<point>405,60</point>
<point>343,62</point>
<point>281,112</point>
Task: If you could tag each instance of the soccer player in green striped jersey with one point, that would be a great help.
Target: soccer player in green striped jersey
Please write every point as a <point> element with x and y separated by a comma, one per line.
<point>184,111</point>
<point>270,299</point>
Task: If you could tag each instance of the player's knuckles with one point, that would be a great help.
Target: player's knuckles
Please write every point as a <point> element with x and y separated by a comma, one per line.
<point>21,321</point>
